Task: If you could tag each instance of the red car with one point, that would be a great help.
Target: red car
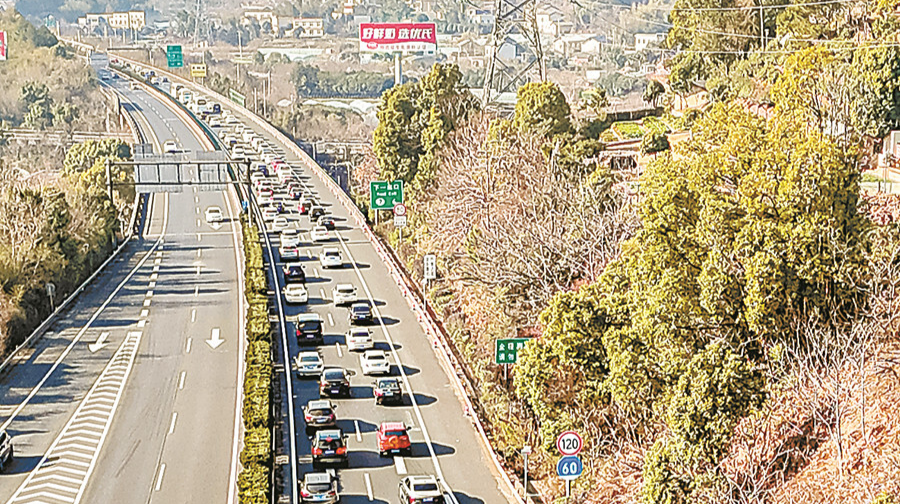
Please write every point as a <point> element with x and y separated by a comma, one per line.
<point>393,438</point>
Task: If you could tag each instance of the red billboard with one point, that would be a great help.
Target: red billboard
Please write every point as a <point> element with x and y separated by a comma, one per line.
<point>2,46</point>
<point>393,37</point>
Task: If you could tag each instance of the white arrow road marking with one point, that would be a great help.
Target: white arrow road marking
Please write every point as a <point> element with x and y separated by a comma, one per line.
<point>100,343</point>
<point>216,225</point>
<point>215,340</point>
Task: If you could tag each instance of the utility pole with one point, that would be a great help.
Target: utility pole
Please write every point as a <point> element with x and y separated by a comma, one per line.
<point>512,17</point>
<point>197,22</point>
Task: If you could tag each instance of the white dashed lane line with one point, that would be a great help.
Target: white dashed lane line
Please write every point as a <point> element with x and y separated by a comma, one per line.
<point>162,470</point>
<point>181,380</point>
<point>172,425</point>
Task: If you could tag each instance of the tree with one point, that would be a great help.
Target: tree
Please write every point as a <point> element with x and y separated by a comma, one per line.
<point>654,142</point>
<point>541,107</point>
<point>653,91</point>
<point>876,74</point>
<point>305,79</point>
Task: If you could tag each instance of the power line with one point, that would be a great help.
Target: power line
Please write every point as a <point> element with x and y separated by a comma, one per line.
<point>729,9</point>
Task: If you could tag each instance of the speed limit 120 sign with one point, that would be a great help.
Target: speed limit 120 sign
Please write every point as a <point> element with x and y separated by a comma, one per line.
<point>569,443</point>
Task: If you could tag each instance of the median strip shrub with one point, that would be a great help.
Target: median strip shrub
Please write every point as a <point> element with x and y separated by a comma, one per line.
<point>254,482</point>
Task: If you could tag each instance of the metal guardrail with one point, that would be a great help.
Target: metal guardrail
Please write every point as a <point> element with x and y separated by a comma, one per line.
<point>438,339</point>
<point>58,137</point>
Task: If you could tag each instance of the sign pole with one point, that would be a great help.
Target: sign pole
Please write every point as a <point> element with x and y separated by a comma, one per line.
<point>568,489</point>
<point>398,72</point>
<point>525,451</point>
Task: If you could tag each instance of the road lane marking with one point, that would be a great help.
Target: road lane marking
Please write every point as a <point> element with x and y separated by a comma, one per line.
<point>142,322</point>
<point>369,487</point>
<point>308,254</point>
<point>198,270</point>
<point>337,346</point>
<point>400,465</point>
<point>194,315</point>
<point>196,290</point>
<point>152,285</point>
<point>330,318</point>
<point>100,343</point>
<point>198,210</point>
<point>322,293</point>
<point>198,222</point>
<point>316,272</point>
<point>181,380</point>
<point>162,470</point>
<point>147,302</point>
<point>199,252</point>
<point>199,236</point>
<point>215,339</point>
<point>188,348</point>
<point>68,464</point>
<point>145,313</point>
<point>172,425</point>
<point>358,435</point>
<point>196,199</point>
<point>157,261</point>
<point>154,277</point>
<point>149,293</point>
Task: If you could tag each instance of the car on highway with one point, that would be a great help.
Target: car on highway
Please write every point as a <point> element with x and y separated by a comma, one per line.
<point>361,313</point>
<point>359,338</point>
<point>269,213</point>
<point>288,252</point>
<point>265,191</point>
<point>296,293</point>
<point>319,413</point>
<point>290,237</point>
<point>214,214</point>
<point>304,205</point>
<point>319,234</point>
<point>6,449</point>
<point>257,178</point>
<point>331,258</point>
<point>170,147</point>
<point>387,391</point>
<point>309,364</point>
<point>308,329</point>
<point>392,438</point>
<point>374,362</point>
<point>326,221</point>
<point>319,487</point>
<point>329,446</point>
<point>315,212</point>
<point>420,489</point>
<point>343,293</point>
<point>293,273</point>
<point>295,193</point>
<point>334,382</point>
<point>280,223</point>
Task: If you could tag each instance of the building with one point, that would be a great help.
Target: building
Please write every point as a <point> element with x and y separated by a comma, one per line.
<point>578,43</point>
<point>127,20</point>
<point>549,20</point>
<point>308,27</point>
<point>262,15</point>
<point>645,40</point>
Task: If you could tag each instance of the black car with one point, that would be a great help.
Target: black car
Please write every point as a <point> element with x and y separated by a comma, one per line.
<point>308,329</point>
<point>387,391</point>
<point>334,382</point>
<point>327,222</point>
<point>293,273</point>
<point>329,447</point>
<point>295,193</point>
<point>360,313</point>
<point>316,212</point>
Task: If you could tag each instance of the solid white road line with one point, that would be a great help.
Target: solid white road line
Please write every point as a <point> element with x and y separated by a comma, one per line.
<point>358,435</point>
<point>162,470</point>
<point>369,487</point>
<point>152,285</point>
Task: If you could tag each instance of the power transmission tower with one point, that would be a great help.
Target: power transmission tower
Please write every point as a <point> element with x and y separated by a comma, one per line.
<point>197,22</point>
<point>513,17</point>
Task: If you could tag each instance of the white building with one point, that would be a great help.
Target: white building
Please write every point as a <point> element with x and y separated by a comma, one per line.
<point>645,40</point>
<point>308,27</point>
<point>550,20</point>
<point>262,15</point>
<point>128,20</point>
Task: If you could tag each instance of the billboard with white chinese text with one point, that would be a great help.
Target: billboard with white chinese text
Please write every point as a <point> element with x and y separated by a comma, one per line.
<point>398,37</point>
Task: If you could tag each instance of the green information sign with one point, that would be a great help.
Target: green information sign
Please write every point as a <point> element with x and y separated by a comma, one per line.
<point>237,97</point>
<point>384,195</point>
<point>506,350</point>
<point>174,56</point>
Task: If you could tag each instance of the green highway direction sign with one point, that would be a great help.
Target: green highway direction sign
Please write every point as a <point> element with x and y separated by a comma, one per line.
<point>237,97</point>
<point>174,56</point>
<point>506,350</point>
<point>384,195</point>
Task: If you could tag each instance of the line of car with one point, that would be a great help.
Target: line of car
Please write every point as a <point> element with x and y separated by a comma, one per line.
<point>279,194</point>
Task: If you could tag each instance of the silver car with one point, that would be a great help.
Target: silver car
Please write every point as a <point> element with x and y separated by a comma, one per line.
<point>319,487</point>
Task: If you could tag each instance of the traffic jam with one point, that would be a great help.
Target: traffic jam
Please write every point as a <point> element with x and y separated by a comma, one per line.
<point>337,357</point>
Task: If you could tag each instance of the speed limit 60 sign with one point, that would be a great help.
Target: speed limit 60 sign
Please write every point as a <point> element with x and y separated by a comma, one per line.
<point>569,467</point>
<point>569,443</point>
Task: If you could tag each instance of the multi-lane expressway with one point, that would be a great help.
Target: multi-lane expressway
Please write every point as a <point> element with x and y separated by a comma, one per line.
<point>129,397</point>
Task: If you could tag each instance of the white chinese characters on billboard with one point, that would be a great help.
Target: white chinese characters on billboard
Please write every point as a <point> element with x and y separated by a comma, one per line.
<point>397,37</point>
<point>3,48</point>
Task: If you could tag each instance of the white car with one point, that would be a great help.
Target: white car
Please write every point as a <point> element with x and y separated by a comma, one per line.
<point>280,223</point>
<point>374,362</point>
<point>269,213</point>
<point>296,293</point>
<point>319,233</point>
<point>331,258</point>
<point>170,147</point>
<point>290,237</point>
<point>214,214</point>
<point>288,252</point>
<point>309,364</point>
<point>343,294</point>
<point>359,338</point>
<point>264,199</point>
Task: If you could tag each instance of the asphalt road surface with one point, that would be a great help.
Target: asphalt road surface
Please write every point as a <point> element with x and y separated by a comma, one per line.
<point>131,395</point>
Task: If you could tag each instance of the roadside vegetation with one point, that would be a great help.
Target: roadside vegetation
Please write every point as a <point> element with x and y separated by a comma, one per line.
<point>57,223</point>
<point>723,331</point>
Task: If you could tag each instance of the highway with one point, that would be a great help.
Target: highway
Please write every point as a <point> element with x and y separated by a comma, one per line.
<point>444,440</point>
<point>131,395</point>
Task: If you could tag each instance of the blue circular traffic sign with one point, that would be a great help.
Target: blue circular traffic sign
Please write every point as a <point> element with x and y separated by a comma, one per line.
<point>570,467</point>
